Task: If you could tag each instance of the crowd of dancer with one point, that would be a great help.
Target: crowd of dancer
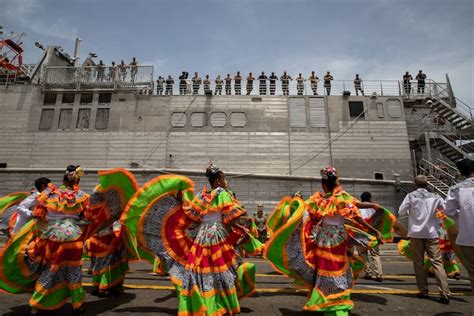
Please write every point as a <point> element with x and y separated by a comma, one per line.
<point>197,238</point>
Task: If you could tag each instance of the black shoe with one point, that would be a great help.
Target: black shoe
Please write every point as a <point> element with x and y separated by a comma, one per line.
<point>367,277</point>
<point>422,296</point>
<point>103,294</point>
<point>443,300</point>
<point>78,311</point>
<point>95,292</point>
<point>379,279</point>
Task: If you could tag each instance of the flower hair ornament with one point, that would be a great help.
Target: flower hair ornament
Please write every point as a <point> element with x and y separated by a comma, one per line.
<point>328,171</point>
<point>213,168</point>
<point>74,173</point>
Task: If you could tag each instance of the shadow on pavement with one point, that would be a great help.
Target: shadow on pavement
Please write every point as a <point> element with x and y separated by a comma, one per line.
<point>155,310</point>
<point>368,298</point>
<point>107,304</point>
<point>165,298</point>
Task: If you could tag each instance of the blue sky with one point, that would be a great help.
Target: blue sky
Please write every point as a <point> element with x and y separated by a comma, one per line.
<point>379,39</point>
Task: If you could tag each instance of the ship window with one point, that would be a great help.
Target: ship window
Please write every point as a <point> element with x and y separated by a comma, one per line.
<point>178,119</point>
<point>380,111</point>
<point>317,112</point>
<point>46,120</point>
<point>297,112</point>
<point>86,98</point>
<point>105,98</point>
<point>198,119</point>
<point>3,164</point>
<point>378,176</point>
<point>102,119</point>
<point>356,108</point>
<point>218,119</point>
<point>68,98</point>
<point>83,118</point>
<point>394,108</point>
<point>49,98</point>
<point>65,119</point>
<point>238,119</point>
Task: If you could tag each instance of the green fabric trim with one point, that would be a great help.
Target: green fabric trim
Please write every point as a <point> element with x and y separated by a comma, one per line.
<point>251,244</point>
<point>246,272</point>
<point>13,280</point>
<point>58,298</point>
<point>317,299</point>
<point>107,278</point>
<point>119,179</point>
<point>212,304</point>
<point>136,206</point>
<point>11,199</point>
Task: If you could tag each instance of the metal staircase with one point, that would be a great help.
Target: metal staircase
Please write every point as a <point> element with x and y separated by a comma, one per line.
<point>439,180</point>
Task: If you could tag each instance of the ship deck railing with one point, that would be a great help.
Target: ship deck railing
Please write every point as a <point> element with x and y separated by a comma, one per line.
<point>139,78</point>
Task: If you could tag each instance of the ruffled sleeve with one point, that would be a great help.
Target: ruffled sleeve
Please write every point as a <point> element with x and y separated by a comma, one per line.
<point>223,201</point>
<point>69,202</point>
<point>346,205</point>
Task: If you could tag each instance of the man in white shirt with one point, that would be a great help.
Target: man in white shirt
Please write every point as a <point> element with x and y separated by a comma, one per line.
<point>373,264</point>
<point>421,206</point>
<point>460,205</point>
<point>25,209</point>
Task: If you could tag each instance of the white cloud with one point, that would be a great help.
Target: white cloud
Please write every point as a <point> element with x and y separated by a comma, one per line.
<point>27,14</point>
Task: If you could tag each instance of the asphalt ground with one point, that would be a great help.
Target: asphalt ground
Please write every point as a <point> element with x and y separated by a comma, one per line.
<point>148,294</point>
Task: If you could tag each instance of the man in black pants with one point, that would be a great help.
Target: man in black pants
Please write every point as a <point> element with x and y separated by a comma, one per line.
<point>421,82</point>
<point>182,82</point>
<point>263,84</point>
<point>406,82</point>
<point>273,78</point>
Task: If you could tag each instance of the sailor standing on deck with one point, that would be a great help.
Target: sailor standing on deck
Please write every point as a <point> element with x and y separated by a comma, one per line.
<point>133,69</point>
<point>300,84</point>
<point>228,85</point>
<point>169,85</point>
<point>122,71</point>
<point>358,85</point>
<point>421,82</point>
<point>159,85</point>
<point>250,80</point>
<point>238,83</point>
<point>263,83</point>
<point>313,79</point>
<point>273,79</point>
<point>219,83</point>
<point>196,83</point>
<point>285,83</point>
<point>327,82</point>
<point>182,82</point>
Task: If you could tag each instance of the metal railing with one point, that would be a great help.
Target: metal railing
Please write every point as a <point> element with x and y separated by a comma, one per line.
<point>441,91</point>
<point>438,171</point>
<point>254,87</point>
<point>106,77</point>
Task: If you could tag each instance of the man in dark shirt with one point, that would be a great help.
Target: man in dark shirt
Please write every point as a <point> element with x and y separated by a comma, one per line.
<point>263,83</point>
<point>273,78</point>
<point>421,82</point>
<point>406,82</point>
<point>285,83</point>
<point>219,83</point>
<point>358,85</point>
<point>238,83</point>
<point>169,85</point>
<point>182,82</point>
<point>250,80</point>
<point>228,84</point>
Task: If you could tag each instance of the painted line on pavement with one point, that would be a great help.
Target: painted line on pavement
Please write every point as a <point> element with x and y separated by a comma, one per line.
<point>287,290</point>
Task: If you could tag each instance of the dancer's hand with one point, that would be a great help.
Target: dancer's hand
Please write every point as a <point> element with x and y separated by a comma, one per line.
<point>379,237</point>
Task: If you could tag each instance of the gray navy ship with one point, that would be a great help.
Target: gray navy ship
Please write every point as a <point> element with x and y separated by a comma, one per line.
<point>59,112</point>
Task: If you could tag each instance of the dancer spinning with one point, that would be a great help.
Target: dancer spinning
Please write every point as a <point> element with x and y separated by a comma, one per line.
<point>313,250</point>
<point>197,240</point>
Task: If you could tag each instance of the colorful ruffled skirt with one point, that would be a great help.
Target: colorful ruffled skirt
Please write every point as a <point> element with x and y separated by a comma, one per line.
<point>109,261</point>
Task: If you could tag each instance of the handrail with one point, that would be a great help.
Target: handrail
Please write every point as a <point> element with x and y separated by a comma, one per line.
<point>441,92</point>
<point>449,165</point>
<point>433,166</point>
<point>426,172</point>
